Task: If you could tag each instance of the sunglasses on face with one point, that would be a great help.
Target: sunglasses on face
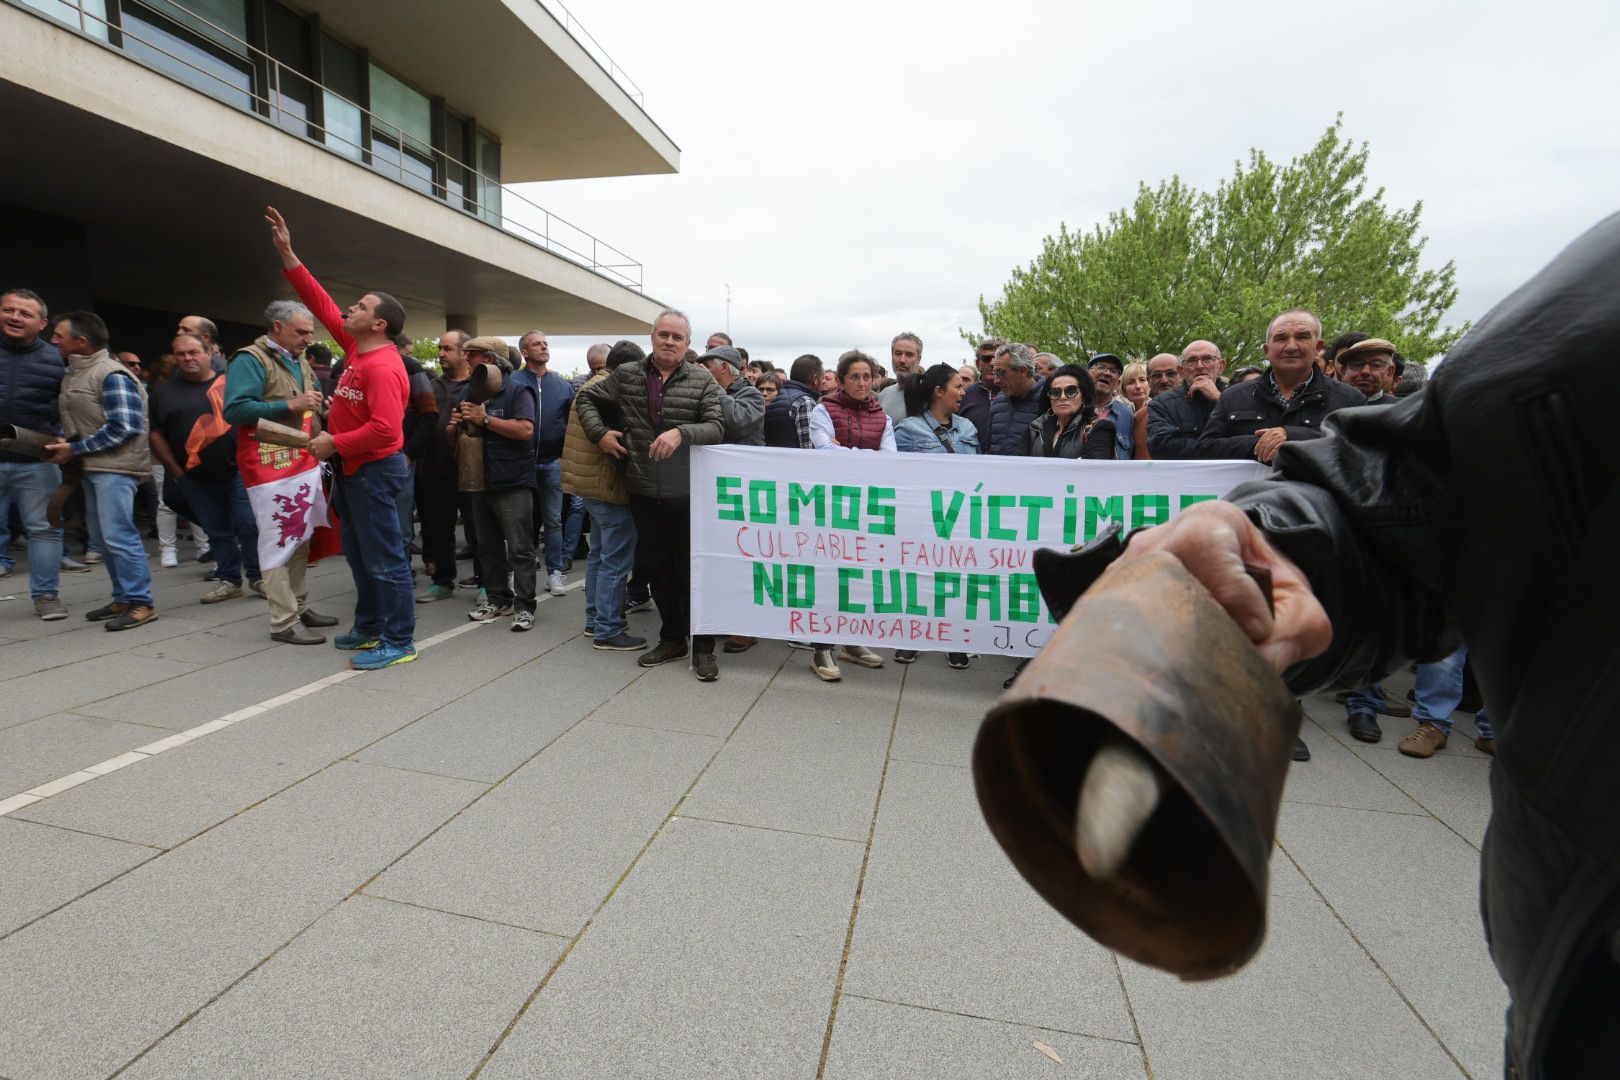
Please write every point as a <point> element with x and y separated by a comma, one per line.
<point>1058,392</point>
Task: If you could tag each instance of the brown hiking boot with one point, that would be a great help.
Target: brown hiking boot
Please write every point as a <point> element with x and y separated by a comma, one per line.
<point>1423,742</point>
<point>137,615</point>
<point>1486,746</point>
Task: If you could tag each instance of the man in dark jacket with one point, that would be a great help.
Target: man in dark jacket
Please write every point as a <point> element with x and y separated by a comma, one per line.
<point>787,419</point>
<point>30,382</point>
<point>975,407</point>
<point>1176,418</point>
<point>742,404</point>
<point>666,406</point>
<point>503,509</point>
<point>1288,402</point>
<point>1022,399</point>
<point>437,496</point>
<point>556,399</point>
<point>1428,521</point>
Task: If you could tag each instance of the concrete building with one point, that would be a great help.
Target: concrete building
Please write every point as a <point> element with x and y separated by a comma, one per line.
<point>146,136</point>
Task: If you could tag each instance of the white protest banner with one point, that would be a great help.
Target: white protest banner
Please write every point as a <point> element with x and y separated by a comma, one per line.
<point>912,551</point>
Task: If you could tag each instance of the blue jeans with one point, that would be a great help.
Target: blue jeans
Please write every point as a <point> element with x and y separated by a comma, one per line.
<point>1439,689</point>
<point>367,502</point>
<point>109,513</point>
<point>573,524</point>
<point>607,570</point>
<point>30,485</point>
<point>221,507</point>
<point>405,503</point>
<point>548,507</point>
<point>1364,699</point>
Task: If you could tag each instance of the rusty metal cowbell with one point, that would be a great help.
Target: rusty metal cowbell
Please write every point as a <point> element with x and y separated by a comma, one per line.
<point>32,443</point>
<point>483,384</point>
<point>1147,655</point>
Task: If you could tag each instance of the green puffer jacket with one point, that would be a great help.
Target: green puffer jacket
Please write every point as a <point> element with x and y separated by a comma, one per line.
<point>691,403</point>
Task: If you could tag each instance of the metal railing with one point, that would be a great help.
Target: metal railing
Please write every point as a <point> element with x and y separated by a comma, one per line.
<point>589,43</point>
<point>526,220</point>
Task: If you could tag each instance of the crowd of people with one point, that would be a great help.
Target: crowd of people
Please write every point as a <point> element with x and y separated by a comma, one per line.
<point>539,470</point>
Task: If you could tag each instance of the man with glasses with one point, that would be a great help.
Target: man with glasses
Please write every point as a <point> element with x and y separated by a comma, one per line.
<point>1164,374</point>
<point>1177,418</point>
<point>1021,400</point>
<point>975,407</point>
<point>1372,366</point>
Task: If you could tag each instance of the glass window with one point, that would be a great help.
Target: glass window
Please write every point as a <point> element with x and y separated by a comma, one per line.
<point>401,131</point>
<point>292,87</point>
<point>344,87</point>
<point>400,113</point>
<point>221,22</point>
<point>489,179</point>
<point>197,60</point>
<point>94,17</point>
<point>455,155</point>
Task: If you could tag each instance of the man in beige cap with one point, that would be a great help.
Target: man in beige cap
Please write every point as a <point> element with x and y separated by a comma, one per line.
<point>1372,366</point>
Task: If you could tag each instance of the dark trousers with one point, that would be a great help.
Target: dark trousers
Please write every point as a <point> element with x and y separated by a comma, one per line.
<point>469,530</point>
<point>221,507</point>
<point>664,542</point>
<point>436,506</point>
<point>367,503</point>
<point>506,545</point>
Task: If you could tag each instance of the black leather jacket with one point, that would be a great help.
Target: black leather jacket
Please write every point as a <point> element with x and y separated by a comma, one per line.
<point>1486,507</point>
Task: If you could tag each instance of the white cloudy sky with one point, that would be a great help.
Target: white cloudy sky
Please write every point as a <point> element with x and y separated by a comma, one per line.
<point>855,169</point>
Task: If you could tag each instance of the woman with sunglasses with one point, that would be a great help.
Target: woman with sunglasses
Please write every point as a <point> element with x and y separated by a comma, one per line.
<point>1071,428</point>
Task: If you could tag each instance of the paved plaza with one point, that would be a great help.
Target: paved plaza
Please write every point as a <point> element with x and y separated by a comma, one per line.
<point>520,857</point>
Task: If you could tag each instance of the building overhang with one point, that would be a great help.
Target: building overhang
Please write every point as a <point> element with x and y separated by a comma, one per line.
<point>522,75</point>
<point>171,185</point>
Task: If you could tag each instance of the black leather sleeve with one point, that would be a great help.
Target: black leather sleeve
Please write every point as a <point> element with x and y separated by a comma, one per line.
<point>1367,517</point>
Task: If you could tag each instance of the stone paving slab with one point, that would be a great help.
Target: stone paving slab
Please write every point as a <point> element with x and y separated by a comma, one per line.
<point>495,728</point>
<point>1446,785</point>
<point>545,848</point>
<point>1373,868</point>
<point>372,989</point>
<point>38,751</point>
<point>46,867</point>
<point>1311,1004</point>
<point>88,988</point>
<point>802,761</point>
<point>933,726</point>
<point>717,958</point>
<point>669,697</point>
<point>72,687</point>
<point>946,922</point>
<point>179,793</point>
<point>901,1042</point>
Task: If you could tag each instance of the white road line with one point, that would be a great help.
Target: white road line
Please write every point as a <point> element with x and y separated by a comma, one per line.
<point>74,779</point>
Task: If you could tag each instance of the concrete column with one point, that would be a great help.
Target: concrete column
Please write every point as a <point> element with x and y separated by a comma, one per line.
<point>469,323</point>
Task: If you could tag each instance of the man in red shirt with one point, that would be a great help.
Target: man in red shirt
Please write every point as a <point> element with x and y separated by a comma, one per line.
<point>365,431</point>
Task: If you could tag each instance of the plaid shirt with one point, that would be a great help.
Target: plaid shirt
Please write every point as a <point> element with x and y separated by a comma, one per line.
<point>800,410</point>
<point>121,402</point>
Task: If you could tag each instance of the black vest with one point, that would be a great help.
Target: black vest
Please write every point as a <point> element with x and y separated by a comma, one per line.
<point>508,463</point>
<point>779,426</point>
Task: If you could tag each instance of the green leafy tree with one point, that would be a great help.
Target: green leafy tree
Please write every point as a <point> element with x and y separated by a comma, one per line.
<point>1181,264</point>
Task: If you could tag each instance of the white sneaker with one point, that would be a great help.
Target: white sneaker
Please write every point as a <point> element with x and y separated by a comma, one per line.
<point>556,583</point>
<point>861,655</point>
<point>170,557</point>
<point>822,664</point>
